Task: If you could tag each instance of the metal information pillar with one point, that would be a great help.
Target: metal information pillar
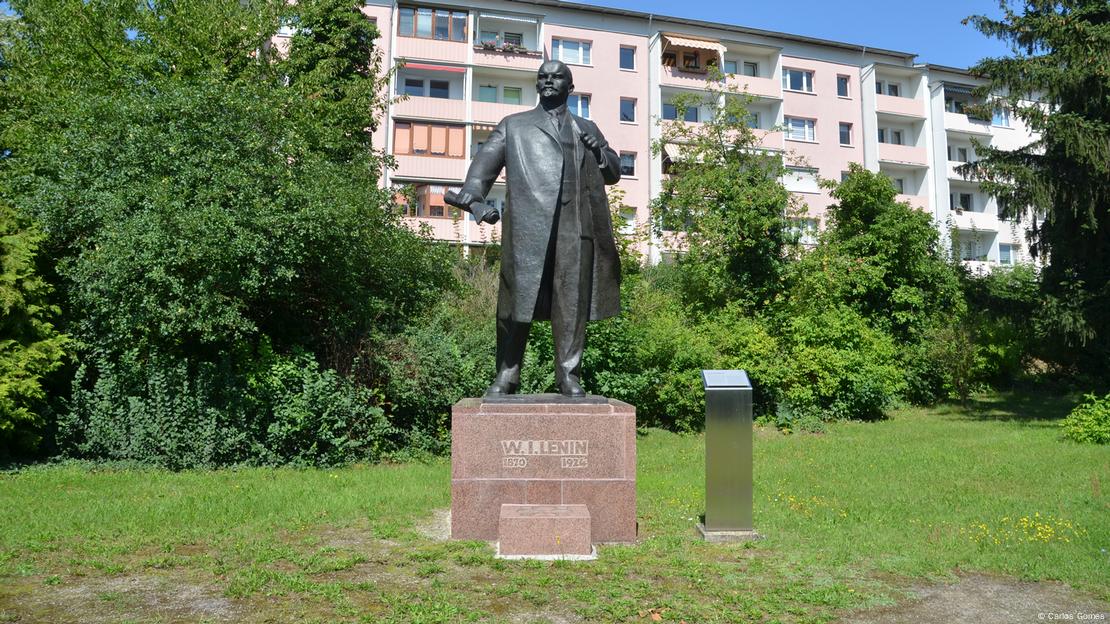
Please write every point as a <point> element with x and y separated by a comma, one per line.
<point>728,456</point>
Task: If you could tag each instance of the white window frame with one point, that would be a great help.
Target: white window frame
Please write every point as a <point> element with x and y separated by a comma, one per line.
<point>620,111</point>
<point>754,67</point>
<point>809,129</point>
<point>840,132</point>
<point>620,57</point>
<point>584,51</point>
<point>807,80</point>
<point>735,67</point>
<point>899,185</point>
<point>633,157</point>
<point>578,98</point>
<point>1000,117</point>
<point>847,85</point>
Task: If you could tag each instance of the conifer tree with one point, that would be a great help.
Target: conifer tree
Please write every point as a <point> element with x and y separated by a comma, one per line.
<point>1057,81</point>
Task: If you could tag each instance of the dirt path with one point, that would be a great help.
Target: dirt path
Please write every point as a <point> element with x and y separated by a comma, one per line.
<point>983,598</point>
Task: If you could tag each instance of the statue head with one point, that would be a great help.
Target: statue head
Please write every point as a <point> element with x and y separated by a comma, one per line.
<point>554,83</point>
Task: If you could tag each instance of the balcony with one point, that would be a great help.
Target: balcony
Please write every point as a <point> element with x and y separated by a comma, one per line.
<point>901,106</point>
<point>921,202</point>
<point>759,87</point>
<point>953,174</point>
<point>685,78</point>
<point>500,59</point>
<point>771,140</point>
<point>903,154</point>
<point>430,167</point>
<point>494,112</point>
<point>430,108</point>
<point>970,220</point>
<point>961,123</point>
<point>432,49</point>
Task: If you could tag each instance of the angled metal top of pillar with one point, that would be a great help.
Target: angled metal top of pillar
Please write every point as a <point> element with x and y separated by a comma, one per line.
<point>725,379</point>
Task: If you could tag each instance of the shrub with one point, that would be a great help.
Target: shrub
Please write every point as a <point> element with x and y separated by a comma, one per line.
<point>1089,421</point>
<point>839,366</point>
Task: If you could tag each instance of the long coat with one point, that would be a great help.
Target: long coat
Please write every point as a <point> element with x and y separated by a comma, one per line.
<point>527,147</point>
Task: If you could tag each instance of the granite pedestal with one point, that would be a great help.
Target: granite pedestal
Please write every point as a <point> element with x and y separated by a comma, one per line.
<point>543,450</point>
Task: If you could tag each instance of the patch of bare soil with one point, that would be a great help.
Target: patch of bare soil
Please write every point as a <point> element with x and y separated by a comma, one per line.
<point>112,599</point>
<point>983,598</point>
<point>436,527</point>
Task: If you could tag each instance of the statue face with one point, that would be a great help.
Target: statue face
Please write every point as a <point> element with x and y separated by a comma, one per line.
<point>554,82</point>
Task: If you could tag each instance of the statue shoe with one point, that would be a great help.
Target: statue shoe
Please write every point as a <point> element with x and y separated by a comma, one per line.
<point>571,388</point>
<point>501,388</point>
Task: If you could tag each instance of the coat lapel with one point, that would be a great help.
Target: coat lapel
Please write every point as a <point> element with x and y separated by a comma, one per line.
<point>544,123</point>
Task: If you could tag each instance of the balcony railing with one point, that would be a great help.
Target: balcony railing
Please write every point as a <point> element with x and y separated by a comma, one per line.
<point>528,60</point>
<point>431,167</point>
<point>432,49</point>
<point>904,106</point>
<point>760,87</point>
<point>687,78</point>
<point>907,154</point>
<point>959,122</point>
<point>494,112</point>
<point>921,202</point>
<point>430,108</point>
<point>974,221</point>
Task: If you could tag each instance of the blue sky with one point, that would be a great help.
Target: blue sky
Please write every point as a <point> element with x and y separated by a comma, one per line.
<point>930,29</point>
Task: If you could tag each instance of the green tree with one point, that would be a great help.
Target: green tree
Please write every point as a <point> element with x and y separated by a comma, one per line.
<point>882,260</point>
<point>1057,81</point>
<point>214,212</point>
<point>30,346</point>
<point>725,201</point>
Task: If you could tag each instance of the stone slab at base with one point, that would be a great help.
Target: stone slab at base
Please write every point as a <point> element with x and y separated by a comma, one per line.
<point>728,536</point>
<point>538,451</point>
<point>590,557</point>
<point>544,530</point>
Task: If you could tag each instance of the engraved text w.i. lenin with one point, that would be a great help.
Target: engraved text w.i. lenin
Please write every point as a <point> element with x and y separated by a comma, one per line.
<point>571,453</point>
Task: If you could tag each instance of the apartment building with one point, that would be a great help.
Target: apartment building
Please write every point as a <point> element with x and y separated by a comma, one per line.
<point>822,104</point>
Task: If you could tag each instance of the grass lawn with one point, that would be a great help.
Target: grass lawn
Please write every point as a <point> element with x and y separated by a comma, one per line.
<point>851,517</point>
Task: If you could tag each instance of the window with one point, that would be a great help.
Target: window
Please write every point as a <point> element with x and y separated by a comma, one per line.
<point>628,57</point>
<point>628,164</point>
<point>413,86</point>
<point>729,67</point>
<point>690,60</point>
<point>753,121</point>
<point>1001,117</point>
<point>899,185</point>
<point>797,80</point>
<point>669,59</point>
<point>669,111</point>
<point>751,69</point>
<point>890,136</point>
<point>952,105</point>
<point>798,129</point>
<point>439,89</point>
<point>842,86</point>
<point>424,139</point>
<point>487,93</point>
<point>1005,253</point>
<point>960,201</point>
<point>970,250</point>
<point>628,110</point>
<point>845,133</point>
<point>891,88</point>
<point>429,23</point>
<point>806,230</point>
<point>579,105</point>
<point>958,154</point>
<point>801,180</point>
<point>512,95</point>
<point>568,51</point>
<point>512,38</point>
<point>844,175</point>
<point>691,114</point>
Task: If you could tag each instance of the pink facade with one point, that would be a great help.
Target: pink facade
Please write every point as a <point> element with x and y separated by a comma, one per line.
<point>841,103</point>
<point>825,153</point>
